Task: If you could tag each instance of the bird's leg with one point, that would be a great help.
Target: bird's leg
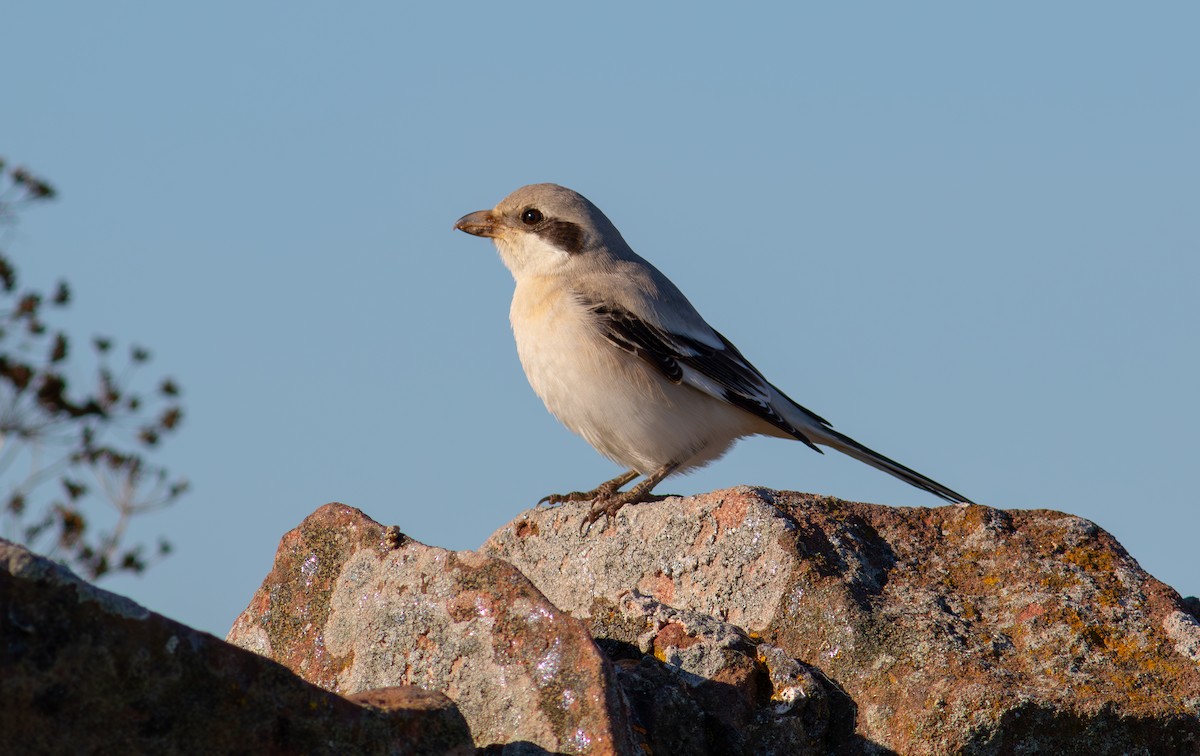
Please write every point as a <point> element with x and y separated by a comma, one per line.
<point>602,491</point>
<point>609,505</point>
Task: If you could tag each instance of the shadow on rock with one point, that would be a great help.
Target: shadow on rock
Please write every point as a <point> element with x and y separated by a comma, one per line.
<point>1034,729</point>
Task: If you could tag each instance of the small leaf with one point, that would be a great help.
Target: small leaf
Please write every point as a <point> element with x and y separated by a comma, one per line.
<point>42,190</point>
<point>17,373</point>
<point>71,525</point>
<point>99,566</point>
<point>59,352</point>
<point>74,488</point>
<point>62,294</point>
<point>8,274</point>
<point>132,561</point>
<point>171,418</point>
<point>28,305</point>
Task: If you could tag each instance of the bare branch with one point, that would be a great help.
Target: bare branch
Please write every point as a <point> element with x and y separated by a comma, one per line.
<point>92,442</point>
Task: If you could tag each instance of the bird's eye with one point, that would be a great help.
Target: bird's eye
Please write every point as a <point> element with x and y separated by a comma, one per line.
<point>532,216</point>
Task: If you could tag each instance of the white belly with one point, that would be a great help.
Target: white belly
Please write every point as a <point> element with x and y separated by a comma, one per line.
<point>617,402</point>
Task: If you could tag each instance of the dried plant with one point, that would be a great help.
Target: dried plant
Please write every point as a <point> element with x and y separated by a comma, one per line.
<point>74,468</point>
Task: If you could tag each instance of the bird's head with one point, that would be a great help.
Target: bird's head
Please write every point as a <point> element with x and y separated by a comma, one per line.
<point>545,229</point>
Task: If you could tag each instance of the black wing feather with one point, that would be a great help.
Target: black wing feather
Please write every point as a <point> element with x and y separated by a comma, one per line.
<point>741,385</point>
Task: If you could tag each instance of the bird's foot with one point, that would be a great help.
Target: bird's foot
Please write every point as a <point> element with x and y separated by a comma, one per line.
<point>602,491</point>
<point>608,506</point>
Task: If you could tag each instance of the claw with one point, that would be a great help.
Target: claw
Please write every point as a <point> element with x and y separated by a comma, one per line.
<point>556,499</point>
<point>605,508</point>
<point>585,527</point>
<point>608,499</point>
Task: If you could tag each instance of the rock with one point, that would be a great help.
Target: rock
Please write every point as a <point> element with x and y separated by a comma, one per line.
<point>749,622</point>
<point>351,606</point>
<point>1192,605</point>
<point>739,622</point>
<point>955,629</point>
<point>86,671</point>
<point>697,685</point>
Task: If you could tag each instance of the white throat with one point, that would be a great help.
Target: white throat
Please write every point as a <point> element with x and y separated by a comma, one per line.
<point>530,255</point>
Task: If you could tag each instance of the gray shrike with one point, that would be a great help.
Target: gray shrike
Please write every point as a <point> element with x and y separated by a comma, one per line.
<point>620,356</point>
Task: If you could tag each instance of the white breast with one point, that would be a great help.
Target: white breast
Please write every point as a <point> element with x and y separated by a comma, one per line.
<point>614,400</point>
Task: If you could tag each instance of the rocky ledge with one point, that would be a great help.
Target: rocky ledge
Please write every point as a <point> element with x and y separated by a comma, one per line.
<point>743,621</point>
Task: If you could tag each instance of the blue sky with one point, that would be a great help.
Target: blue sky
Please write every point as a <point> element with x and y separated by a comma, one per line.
<point>966,235</point>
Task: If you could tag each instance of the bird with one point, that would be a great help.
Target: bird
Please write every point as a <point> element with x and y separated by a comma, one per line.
<point>620,356</point>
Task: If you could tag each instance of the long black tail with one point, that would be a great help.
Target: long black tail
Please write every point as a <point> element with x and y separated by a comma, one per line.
<point>850,447</point>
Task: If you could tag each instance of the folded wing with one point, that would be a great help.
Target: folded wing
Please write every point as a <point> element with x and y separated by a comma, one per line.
<point>719,370</point>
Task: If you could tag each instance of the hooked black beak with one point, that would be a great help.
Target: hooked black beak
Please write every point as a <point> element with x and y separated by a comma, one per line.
<point>478,223</point>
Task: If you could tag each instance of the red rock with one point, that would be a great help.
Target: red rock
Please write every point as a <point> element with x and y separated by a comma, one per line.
<point>955,629</point>
<point>352,607</point>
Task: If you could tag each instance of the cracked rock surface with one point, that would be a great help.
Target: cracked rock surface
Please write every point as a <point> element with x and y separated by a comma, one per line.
<point>950,629</point>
